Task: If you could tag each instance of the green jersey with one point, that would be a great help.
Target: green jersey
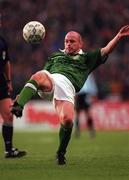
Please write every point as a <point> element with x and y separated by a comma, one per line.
<point>75,67</point>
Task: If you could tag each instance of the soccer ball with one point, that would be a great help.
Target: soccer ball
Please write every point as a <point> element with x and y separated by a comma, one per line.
<point>33,32</point>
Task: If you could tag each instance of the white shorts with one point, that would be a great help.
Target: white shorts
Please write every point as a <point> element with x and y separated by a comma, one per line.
<point>62,88</point>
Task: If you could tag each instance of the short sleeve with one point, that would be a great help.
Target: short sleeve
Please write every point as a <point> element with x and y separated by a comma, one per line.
<point>94,59</point>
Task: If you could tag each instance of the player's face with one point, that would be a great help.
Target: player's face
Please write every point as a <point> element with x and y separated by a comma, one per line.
<point>73,42</point>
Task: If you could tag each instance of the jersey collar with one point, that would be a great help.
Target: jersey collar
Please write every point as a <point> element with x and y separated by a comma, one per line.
<point>80,52</point>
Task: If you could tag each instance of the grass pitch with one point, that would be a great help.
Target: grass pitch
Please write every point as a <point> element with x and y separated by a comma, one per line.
<point>106,157</point>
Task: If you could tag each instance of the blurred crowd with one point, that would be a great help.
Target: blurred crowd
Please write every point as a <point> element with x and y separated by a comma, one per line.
<point>97,20</point>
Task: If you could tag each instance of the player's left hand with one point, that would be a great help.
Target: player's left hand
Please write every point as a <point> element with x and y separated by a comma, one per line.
<point>124,31</point>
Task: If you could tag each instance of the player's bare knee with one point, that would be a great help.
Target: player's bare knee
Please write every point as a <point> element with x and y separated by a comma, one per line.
<point>68,123</point>
<point>36,76</point>
<point>43,80</point>
<point>39,77</point>
<point>67,119</point>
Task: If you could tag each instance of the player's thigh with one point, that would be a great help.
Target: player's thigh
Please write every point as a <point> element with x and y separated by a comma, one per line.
<point>65,110</point>
<point>44,80</point>
<point>5,109</point>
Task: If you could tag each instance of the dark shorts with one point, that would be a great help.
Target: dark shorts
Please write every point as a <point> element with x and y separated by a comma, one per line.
<point>3,88</point>
<point>81,102</point>
<point>4,92</point>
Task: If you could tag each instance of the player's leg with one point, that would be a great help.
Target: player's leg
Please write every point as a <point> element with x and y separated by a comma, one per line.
<point>77,114</point>
<point>7,126</point>
<point>65,111</point>
<point>40,80</point>
<point>77,123</point>
<point>7,129</point>
<point>79,107</point>
<point>90,122</point>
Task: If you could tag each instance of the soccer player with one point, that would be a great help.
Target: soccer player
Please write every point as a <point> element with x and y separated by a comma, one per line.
<point>83,102</point>
<point>63,76</point>
<point>6,102</point>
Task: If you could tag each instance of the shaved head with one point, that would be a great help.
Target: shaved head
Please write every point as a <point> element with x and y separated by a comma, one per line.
<point>75,35</point>
<point>73,42</point>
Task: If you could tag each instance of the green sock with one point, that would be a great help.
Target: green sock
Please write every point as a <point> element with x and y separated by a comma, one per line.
<point>64,136</point>
<point>29,90</point>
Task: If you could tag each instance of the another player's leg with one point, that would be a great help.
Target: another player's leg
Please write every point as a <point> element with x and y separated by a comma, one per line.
<point>77,114</point>
<point>77,124</point>
<point>79,106</point>
<point>90,123</point>
<point>7,130</point>
<point>65,111</point>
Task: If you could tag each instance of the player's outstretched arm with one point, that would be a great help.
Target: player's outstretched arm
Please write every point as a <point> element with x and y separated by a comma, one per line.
<point>124,31</point>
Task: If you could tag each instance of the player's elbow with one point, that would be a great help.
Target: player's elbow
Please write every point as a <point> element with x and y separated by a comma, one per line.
<point>105,51</point>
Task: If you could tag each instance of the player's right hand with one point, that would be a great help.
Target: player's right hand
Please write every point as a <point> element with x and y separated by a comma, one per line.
<point>16,109</point>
